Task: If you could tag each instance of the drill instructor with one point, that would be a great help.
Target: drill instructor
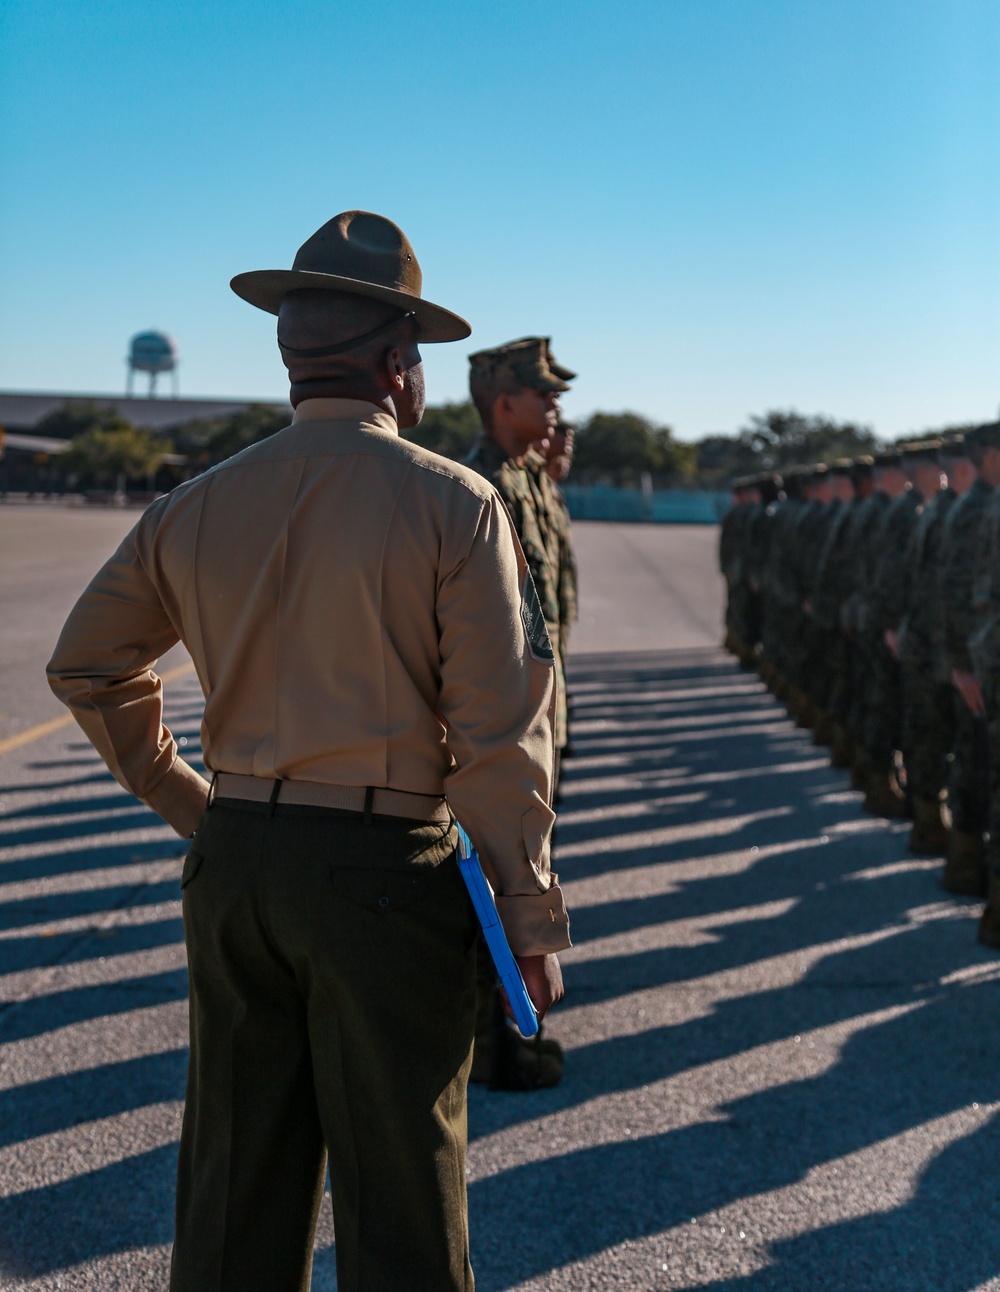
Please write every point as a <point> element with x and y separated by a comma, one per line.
<point>363,625</point>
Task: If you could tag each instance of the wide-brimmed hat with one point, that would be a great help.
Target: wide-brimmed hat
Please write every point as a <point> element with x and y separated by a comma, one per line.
<point>355,252</point>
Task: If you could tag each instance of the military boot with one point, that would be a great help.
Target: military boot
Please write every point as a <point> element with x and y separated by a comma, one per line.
<point>841,747</point>
<point>860,769</point>
<point>964,869</point>
<point>501,1057</point>
<point>526,1064</point>
<point>823,728</point>
<point>929,836</point>
<point>794,699</point>
<point>805,713</point>
<point>989,921</point>
<point>883,797</point>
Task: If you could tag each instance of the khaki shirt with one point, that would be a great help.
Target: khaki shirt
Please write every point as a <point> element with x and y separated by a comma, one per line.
<point>353,607</point>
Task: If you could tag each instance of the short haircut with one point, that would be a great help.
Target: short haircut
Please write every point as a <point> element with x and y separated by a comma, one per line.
<point>485,387</point>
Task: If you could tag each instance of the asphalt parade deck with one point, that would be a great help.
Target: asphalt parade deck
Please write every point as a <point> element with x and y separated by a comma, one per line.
<point>782,1070</point>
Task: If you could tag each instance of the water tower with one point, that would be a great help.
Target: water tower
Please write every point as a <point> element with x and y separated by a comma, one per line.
<point>152,352</point>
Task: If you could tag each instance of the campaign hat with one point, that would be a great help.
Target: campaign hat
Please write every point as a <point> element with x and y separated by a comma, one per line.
<point>360,253</point>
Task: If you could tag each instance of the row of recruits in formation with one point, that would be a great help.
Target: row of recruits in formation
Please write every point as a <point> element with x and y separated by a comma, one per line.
<point>378,634</point>
<point>867,595</point>
<point>525,450</point>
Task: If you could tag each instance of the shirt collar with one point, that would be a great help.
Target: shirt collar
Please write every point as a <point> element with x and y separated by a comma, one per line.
<point>345,410</point>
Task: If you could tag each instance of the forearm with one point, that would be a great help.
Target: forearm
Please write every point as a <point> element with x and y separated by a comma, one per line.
<point>102,669</point>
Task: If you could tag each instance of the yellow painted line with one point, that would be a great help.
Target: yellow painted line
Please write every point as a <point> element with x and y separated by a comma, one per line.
<point>56,724</point>
<point>34,733</point>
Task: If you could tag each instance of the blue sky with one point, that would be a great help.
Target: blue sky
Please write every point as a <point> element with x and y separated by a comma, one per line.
<point>714,207</point>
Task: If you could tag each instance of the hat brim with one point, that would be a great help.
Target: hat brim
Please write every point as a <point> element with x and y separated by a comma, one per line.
<point>267,288</point>
<point>554,384</point>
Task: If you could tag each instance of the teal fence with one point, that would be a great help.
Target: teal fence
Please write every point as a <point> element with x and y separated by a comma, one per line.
<point>662,506</point>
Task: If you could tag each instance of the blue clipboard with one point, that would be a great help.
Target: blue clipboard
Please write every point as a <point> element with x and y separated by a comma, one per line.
<point>486,912</point>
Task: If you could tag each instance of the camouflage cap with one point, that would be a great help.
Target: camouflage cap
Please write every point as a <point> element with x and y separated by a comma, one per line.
<point>953,446</point>
<point>984,437</point>
<point>920,451</point>
<point>562,373</point>
<point>842,467</point>
<point>888,458</point>
<point>518,363</point>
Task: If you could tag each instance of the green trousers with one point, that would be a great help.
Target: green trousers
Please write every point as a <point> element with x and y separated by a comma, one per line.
<point>332,986</point>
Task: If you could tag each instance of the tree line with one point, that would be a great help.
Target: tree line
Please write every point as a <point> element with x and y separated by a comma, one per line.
<point>611,448</point>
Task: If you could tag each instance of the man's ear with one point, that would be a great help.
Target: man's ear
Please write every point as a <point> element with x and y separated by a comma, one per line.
<point>395,369</point>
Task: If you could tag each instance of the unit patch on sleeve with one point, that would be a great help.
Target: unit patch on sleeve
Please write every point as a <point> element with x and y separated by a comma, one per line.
<point>534,622</point>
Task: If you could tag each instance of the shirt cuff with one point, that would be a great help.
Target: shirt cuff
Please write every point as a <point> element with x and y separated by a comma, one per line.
<point>180,798</point>
<point>536,924</point>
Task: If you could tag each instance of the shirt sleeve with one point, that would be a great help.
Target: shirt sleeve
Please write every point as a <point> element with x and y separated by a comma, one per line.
<point>497,700</point>
<point>102,670</point>
<point>887,594</point>
<point>963,552</point>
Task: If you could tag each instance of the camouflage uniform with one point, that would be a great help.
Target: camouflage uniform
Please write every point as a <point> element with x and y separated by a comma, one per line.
<point>525,487</point>
<point>961,545</point>
<point>984,648</point>
<point>818,521</point>
<point>520,486</point>
<point>833,586</point>
<point>782,597</point>
<point>501,1056</point>
<point>742,619</point>
<point>562,527</point>
<point>928,709</point>
<point>886,607</point>
<point>857,562</point>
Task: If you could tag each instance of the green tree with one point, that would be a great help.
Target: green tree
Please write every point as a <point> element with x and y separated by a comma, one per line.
<point>722,457</point>
<point>101,455</point>
<point>782,439</point>
<point>448,429</point>
<point>221,437</point>
<point>77,416</point>
<point>621,446</point>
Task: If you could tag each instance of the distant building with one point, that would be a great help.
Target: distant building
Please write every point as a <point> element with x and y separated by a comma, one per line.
<point>20,412</point>
<point>27,456</point>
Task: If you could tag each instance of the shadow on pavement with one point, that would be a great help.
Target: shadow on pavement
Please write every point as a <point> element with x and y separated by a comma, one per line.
<point>708,848</point>
<point>869,940</point>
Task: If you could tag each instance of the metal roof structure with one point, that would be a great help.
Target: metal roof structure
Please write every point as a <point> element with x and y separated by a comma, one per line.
<point>23,410</point>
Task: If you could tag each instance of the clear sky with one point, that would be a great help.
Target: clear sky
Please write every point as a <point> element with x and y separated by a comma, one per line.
<point>714,207</point>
